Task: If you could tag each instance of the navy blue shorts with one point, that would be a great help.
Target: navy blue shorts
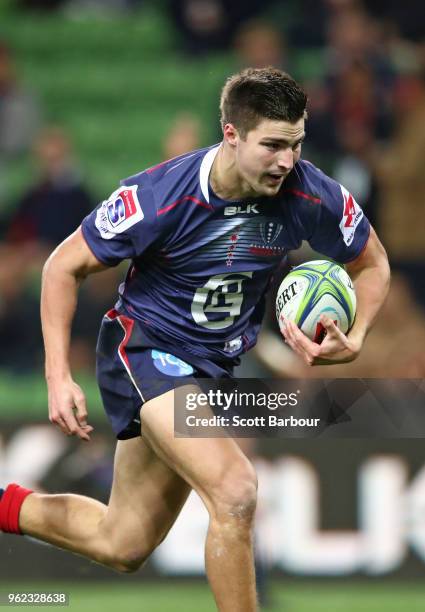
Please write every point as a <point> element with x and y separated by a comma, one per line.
<point>131,370</point>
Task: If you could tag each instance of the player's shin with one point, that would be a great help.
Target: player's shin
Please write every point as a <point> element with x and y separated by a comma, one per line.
<point>69,521</point>
<point>229,557</point>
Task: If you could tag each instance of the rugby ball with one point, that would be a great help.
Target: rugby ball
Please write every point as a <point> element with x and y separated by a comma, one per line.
<point>312,289</point>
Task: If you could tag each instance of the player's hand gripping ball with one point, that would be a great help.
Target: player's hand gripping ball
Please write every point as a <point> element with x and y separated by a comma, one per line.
<point>312,289</point>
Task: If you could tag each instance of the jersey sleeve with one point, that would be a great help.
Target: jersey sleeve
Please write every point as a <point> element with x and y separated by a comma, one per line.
<point>340,229</point>
<point>123,226</point>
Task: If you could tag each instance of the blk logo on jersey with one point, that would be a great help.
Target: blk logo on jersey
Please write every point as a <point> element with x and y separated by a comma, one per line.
<point>351,216</point>
<point>241,210</point>
<point>119,213</point>
<point>170,364</point>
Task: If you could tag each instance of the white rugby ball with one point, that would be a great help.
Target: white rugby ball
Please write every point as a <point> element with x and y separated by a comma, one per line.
<point>312,289</point>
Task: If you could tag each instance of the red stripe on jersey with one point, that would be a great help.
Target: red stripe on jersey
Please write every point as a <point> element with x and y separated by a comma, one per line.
<point>150,170</point>
<point>303,195</point>
<point>161,211</point>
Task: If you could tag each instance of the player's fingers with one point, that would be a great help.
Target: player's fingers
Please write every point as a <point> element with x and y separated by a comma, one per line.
<point>290,329</point>
<point>74,427</point>
<point>288,334</point>
<point>292,337</point>
<point>333,332</point>
<point>299,342</point>
<point>57,420</point>
<point>300,338</point>
<point>329,325</point>
<point>80,408</point>
<point>80,413</point>
<point>282,326</point>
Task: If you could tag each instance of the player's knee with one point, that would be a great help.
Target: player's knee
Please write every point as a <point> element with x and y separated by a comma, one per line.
<point>128,561</point>
<point>125,564</point>
<point>235,497</point>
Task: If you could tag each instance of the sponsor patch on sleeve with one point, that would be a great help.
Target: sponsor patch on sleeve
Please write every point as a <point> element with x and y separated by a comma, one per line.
<point>351,216</point>
<point>120,212</point>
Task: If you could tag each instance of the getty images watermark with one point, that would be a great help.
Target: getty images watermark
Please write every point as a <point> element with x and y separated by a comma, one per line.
<point>243,400</point>
<point>236,410</point>
<point>303,408</point>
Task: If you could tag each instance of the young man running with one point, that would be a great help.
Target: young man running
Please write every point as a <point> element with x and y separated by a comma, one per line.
<point>204,233</point>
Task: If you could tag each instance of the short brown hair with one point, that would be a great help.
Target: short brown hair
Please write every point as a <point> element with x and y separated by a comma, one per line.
<point>261,93</point>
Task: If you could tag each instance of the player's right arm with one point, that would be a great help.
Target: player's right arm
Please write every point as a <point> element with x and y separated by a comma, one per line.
<point>66,268</point>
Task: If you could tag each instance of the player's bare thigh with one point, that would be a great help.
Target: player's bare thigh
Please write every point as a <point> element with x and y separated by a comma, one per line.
<point>146,497</point>
<point>207,464</point>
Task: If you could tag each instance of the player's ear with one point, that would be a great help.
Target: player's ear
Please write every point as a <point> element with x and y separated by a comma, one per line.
<point>230,134</point>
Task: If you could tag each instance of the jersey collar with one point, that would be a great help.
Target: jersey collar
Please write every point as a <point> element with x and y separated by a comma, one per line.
<point>205,169</point>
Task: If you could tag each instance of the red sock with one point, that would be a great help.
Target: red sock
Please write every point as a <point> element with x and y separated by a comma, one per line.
<point>10,506</point>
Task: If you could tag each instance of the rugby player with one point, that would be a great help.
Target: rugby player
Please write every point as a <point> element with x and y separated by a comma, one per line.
<point>204,233</point>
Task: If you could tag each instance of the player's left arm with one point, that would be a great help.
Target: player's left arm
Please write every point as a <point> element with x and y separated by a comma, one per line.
<point>370,273</point>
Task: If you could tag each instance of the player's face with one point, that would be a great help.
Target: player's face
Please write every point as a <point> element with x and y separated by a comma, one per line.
<point>268,154</point>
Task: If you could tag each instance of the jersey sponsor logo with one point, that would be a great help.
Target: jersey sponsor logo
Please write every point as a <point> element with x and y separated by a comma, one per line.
<point>233,345</point>
<point>170,364</point>
<point>266,251</point>
<point>119,213</point>
<point>217,304</point>
<point>241,210</point>
<point>351,216</point>
<point>270,232</point>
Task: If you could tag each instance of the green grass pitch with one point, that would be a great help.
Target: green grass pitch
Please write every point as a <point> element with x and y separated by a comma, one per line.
<point>195,597</point>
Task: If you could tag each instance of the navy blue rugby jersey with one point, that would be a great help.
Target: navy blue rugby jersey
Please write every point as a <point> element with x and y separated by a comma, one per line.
<point>201,265</point>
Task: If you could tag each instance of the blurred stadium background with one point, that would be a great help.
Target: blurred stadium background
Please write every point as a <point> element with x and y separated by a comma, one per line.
<point>92,91</point>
